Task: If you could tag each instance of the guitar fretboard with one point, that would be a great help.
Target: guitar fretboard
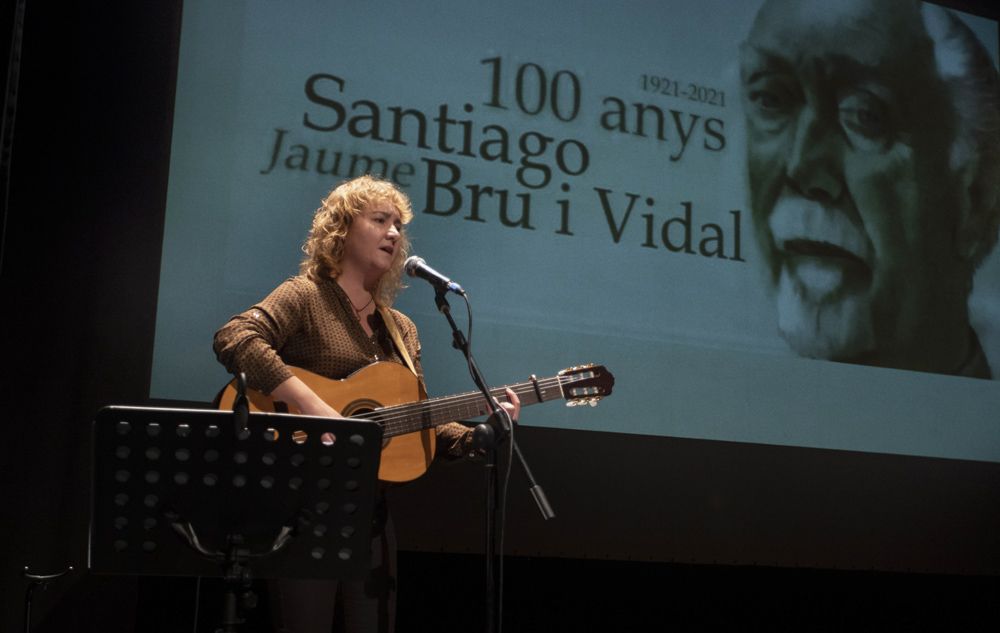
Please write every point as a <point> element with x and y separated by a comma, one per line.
<point>415,416</point>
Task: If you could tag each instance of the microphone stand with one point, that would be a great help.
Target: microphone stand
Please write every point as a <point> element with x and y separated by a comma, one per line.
<point>484,436</point>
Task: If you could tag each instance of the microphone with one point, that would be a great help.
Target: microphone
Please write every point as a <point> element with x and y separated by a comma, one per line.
<point>417,267</point>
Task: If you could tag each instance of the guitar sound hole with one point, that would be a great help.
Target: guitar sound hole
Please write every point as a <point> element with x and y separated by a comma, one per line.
<point>360,408</point>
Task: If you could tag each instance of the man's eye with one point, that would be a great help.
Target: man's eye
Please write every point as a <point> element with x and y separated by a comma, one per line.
<point>771,100</point>
<point>865,119</point>
<point>768,100</point>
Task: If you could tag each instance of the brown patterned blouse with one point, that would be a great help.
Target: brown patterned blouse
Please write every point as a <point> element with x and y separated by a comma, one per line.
<point>311,324</point>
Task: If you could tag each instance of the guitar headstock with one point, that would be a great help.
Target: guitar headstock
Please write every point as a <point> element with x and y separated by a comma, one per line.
<point>585,384</point>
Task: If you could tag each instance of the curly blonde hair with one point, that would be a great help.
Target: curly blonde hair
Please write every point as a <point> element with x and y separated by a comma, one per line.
<point>324,247</point>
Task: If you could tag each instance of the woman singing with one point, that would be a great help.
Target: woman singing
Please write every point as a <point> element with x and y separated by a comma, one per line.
<point>333,319</point>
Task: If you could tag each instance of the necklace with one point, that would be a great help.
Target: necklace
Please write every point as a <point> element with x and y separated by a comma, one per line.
<point>358,310</point>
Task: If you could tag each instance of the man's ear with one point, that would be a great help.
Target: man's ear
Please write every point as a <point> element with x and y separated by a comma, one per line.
<point>978,212</point>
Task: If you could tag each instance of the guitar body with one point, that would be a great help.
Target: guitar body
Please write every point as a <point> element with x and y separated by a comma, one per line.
<point>404,457</point>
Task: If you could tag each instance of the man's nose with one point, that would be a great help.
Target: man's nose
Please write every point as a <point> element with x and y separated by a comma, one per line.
<point>814,162</point>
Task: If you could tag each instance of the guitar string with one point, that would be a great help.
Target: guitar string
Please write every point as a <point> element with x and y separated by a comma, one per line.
<point>392,418</point>
<point>392,414</point>
<point>397,412</point>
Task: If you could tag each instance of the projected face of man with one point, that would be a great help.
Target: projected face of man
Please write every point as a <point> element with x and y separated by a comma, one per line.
<point>848,136</point>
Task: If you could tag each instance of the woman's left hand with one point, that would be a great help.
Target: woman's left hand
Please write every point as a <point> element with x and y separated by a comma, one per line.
<point>514,406</point>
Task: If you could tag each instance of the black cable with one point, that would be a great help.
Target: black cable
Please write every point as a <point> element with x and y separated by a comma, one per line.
<point>468,340</point>
<point>197,602</point>
<point>501,515</point>
<point>9,112</point>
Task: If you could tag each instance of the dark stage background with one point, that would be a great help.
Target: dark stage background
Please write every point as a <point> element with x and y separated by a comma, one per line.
<point>735,535</point>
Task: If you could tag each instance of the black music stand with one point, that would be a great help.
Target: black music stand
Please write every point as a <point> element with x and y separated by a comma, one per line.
<point>186,492</point>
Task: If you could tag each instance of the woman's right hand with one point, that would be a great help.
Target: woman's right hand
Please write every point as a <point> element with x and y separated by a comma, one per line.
<point>300,397</point>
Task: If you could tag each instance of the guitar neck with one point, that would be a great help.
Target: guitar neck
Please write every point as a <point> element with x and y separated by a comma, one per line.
<point>415,416</point>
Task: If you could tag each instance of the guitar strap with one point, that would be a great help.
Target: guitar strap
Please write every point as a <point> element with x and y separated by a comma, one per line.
<point>397,339</point>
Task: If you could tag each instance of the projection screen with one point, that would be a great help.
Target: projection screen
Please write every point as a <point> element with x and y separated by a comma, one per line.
<point>596,175</point>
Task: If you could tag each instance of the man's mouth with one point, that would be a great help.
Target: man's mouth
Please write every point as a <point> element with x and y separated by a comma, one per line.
<point>821,270</point>
<point>821,249</point>
<point>807,229</point>
<point>825,251</point>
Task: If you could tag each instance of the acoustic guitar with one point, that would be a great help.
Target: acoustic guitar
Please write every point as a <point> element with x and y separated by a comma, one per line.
<point>388,393</point>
